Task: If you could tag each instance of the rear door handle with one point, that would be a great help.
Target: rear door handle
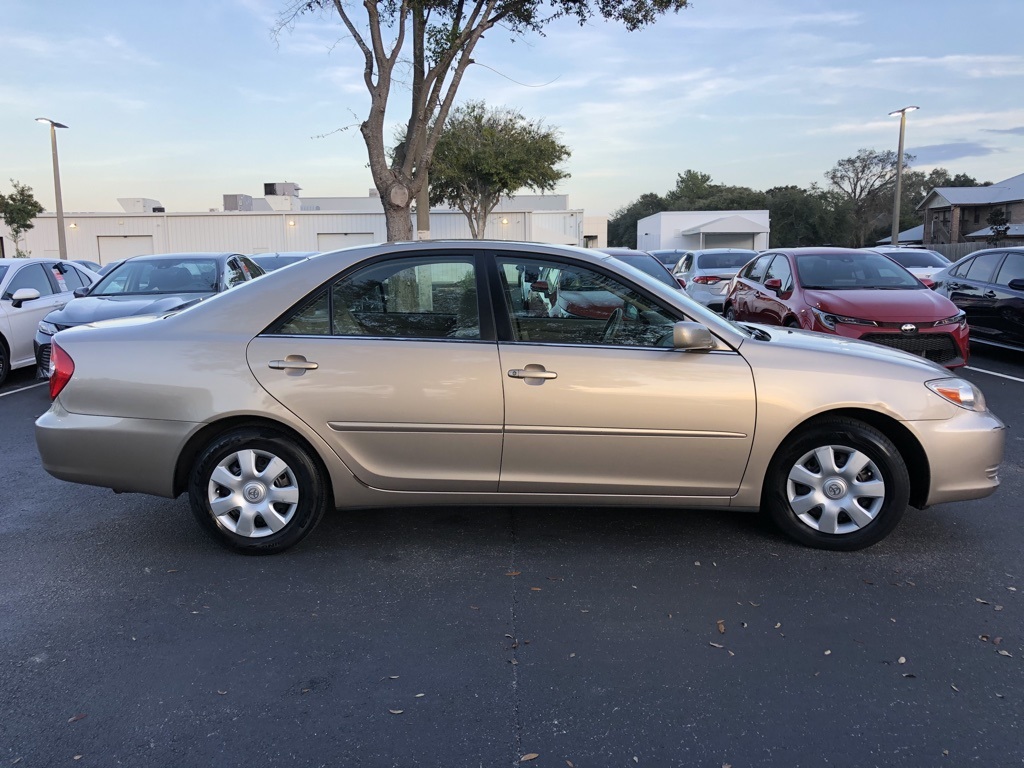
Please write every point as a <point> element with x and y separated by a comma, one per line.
<point>990,294</point>
<point>294,364</point>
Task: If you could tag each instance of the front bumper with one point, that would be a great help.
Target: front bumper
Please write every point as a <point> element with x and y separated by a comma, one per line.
<point>964,454</point>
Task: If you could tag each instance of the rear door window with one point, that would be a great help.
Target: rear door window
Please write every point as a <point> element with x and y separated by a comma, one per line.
<point>755,272</point>
<point>1012,269</point>
<point>984,267</point>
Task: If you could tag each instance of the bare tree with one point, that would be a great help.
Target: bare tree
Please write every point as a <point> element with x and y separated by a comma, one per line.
<point>866,181</point>
<point>443,36</point>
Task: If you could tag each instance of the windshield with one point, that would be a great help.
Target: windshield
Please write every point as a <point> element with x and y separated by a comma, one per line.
<point>845,271</point>
<point>724,260</point>
<point>160,276</point>
<point>918,258</point>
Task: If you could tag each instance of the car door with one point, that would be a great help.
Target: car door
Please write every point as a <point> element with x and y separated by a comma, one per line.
<point>771,302</point>
<point>1008,318</point>
<point>744,294</point>
<point>23,319</point>
<point>606,406</point>
<point>393,366</point>
<point>972,289</point>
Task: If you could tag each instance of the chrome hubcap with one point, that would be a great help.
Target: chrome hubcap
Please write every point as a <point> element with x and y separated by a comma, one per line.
<point>252,493</point>
<point>835,489</point>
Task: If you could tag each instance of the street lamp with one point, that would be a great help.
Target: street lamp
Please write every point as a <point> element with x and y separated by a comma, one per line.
<point>895,239</point>
<point>61,239</point>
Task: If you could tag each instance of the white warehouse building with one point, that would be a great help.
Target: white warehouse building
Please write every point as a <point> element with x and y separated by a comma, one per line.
<point>692,230</point>
<point>282,221</point>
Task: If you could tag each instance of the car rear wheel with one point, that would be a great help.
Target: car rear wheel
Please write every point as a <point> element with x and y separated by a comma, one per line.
<point>730,314</point>
<point>257,491</point>
<point>839,484</point>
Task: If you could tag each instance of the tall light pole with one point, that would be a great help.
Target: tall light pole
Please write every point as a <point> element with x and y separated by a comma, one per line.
<point>62,243</point>
<point>895,239</point>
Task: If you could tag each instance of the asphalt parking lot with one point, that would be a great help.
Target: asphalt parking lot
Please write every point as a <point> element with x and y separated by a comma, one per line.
<point>500,637</point>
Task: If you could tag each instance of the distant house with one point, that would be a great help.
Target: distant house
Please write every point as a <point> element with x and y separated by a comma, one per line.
<point>959,214</point>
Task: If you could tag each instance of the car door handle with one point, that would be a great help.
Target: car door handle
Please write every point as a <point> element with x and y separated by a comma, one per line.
<point>954,286</point>
<point>294,363</point>
<point>990,294</point>
<point>535,372</point>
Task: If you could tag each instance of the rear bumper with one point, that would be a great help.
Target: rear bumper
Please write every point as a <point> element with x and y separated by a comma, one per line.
<point>131,455</point>
<point>964,454</point>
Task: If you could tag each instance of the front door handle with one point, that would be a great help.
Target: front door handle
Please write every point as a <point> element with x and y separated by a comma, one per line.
<point>990,295</point>
<point>296,365</point>
<point>533,374</point>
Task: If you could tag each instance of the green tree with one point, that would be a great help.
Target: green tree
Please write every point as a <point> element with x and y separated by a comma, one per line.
<point>1000,224</point>
<point>436,40</point>
<point>866,182</point>
<point>802,217</point>
<point>694,191</point>
<point>18,209</point>
<point>622,224</point>
<point>485,154</point>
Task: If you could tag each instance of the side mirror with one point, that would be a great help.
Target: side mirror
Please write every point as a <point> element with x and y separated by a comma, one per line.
<point>691,337</point>
<point>1017,284</point>
<point>80,292</point>
<point>774,284</point>
<point>22,295</point>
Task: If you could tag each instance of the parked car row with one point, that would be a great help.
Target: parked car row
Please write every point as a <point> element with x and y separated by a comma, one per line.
<point>870,293</point>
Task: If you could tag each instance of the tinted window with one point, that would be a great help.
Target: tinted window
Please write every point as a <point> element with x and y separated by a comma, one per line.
<point>920,258</point>
<point>984,267</point>
<point>650,265</point>
<point>780,269</point>
<point>715,261</point>
<point>1012,269</point>
<point>32,276</point>
<point>756,270</point>
<point>407,298</point>
<point>592,308</point>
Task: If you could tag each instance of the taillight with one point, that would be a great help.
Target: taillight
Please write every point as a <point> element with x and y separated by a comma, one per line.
<point>707,279</point>
<point>682,283</point>
<point>63,368</point>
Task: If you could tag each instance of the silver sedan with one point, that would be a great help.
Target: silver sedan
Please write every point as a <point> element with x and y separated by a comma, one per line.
<point>430,373</point>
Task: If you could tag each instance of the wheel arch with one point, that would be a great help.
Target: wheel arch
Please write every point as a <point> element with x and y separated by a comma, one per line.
<point>906,443</point>
<point>202,438</point>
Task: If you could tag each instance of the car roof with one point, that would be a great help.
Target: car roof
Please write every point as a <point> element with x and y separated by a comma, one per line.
<point>168,256</point>
<point>32,260</point>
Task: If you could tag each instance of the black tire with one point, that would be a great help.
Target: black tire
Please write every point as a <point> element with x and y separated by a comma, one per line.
<point>791,323</point>
<point>855,511</point>
<point>730,314</point>
<point>5,362</point>
<point>293,500</point>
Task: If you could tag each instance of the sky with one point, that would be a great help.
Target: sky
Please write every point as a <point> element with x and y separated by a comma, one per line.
<point>187,101</point>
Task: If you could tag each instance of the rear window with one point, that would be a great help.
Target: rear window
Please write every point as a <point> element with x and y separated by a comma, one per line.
<point>724,260</point>
<point>917,259</point>
<point>651,266</point>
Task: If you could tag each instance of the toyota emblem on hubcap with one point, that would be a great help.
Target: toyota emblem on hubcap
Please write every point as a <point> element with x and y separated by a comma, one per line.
<point>834,489</point>
<point>254,492</point>
<point>908,328</point>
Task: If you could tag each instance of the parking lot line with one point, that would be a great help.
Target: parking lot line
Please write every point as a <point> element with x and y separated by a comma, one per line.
<point>16,391</point>
<point>993,373</point>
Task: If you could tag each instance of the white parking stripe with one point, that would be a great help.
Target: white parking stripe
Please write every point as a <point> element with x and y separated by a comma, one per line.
<point>30,386</point>
<point>993,373</point>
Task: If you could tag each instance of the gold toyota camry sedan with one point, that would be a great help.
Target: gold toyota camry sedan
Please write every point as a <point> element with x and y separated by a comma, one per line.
<point>476,372</point>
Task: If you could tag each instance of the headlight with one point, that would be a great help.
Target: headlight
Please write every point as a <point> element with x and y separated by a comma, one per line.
<point>831,320</point>
<point>959,392</point>
<point>960,318</point>
<point>46,328</point>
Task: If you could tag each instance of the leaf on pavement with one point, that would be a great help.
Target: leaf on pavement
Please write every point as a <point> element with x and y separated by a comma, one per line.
<point>983,602</point>
<point>1004,653</point>
<point>529,757</point>
<point>513,573</point>
<point>716,645</point>
<point>76,718</point>
<point>396,711</point>
<point>954,688</point>
<point>901,660</point>
<point>535,589</point>
<point>721,626</point>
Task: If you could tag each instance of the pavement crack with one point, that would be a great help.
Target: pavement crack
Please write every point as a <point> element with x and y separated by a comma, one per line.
<point>513,637</point>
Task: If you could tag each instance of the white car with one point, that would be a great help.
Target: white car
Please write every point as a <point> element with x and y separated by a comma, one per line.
<point>920,262</point>
<point>29,290</point>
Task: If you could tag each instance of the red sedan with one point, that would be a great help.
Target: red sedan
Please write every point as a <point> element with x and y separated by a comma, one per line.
<point>852,293</point>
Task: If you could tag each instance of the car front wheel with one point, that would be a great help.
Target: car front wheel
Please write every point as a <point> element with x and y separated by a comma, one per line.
<point>257,491</point>
<point>839,484</point>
